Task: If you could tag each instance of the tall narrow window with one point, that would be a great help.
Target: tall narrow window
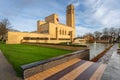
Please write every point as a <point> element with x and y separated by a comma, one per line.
<point>60,31</point>
<point>63,32</point>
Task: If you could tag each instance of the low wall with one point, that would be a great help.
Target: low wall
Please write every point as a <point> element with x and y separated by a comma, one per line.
<point>37,67</point>
<point>95,59</point>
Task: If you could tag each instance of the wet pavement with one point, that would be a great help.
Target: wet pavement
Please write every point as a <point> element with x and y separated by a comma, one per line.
<point>105,59</point>
<point>112,71</point>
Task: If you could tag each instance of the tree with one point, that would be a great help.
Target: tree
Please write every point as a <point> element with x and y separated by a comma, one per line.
<point>106,31</point>
<point>118,34</point>
<point>4,27</point>
<point>97,35</point>
<point>105,34</point>
<point>89,37</point>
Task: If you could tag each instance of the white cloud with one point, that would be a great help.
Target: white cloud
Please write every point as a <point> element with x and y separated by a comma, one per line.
<point>112,19</point>
<point>108,16</point>
<point>75,2</point>
<point>102,13</point>
<point>81,30</point>
<point>89,13</point>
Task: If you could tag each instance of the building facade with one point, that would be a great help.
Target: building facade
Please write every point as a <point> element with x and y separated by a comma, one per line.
<point>48,31</point>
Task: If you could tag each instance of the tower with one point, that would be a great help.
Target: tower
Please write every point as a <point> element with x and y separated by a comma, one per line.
<point>70,16</point>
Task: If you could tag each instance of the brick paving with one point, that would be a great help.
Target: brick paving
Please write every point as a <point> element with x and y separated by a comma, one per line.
<point>75,69</point>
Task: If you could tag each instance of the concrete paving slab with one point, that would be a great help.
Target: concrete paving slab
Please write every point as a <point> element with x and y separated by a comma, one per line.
<point>6,70</point>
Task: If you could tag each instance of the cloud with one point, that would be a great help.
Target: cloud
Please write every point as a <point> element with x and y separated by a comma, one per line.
<point>75,2</point>
<point>97,14</point>
<point>81,30</point>
<point>112,19</point>
<point>90,15</point>
<point>24,14</point>
<point>106,14</point>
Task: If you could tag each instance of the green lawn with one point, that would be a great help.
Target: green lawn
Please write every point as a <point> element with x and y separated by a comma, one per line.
<point>19,54</point>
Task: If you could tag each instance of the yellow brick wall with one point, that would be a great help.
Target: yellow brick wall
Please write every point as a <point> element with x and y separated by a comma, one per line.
<point>52,18</point>
<point>70,16</point>
<point>62,30</point>
<point>38,25</point>
<point>17,37</point>
<point>50,28</point>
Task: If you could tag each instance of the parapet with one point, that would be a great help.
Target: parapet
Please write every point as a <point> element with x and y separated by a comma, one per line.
<point>52,18</point>
<point>71,6</point>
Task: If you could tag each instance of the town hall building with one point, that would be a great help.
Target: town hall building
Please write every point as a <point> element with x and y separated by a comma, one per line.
<point>48,31</point>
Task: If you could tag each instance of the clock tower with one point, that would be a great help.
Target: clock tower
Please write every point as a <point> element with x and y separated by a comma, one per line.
<point>70,16</point>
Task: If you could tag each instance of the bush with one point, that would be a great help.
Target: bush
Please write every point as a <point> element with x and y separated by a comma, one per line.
<point>70,44</point>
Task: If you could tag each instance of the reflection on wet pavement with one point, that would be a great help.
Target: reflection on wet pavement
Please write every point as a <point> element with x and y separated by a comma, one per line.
<point>112,71</point>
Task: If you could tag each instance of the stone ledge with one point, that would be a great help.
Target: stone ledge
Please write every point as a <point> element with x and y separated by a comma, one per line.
<point>36,67</point>
<point>95,59</point>
<point>27,66</point>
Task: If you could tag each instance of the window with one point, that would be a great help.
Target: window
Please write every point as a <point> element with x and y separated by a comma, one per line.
<point>65,32</point>
<point>35,38</point>
<point>60,31</point>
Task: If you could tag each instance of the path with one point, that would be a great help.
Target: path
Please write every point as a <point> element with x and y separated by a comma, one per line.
<point>112,71</point>
<point>75,69</point>
<point>105,59</point>
<point>6,70</point>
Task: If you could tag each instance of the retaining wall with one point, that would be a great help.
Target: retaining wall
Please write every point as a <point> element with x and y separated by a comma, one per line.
<point>95,59</point>
<point>37,67</point>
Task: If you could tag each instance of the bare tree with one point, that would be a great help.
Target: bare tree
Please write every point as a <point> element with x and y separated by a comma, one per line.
<point>111,34</point>
<point>118,34</point>
<point>106,31</point>
<point>105,34</point>
<point>97,35</point>
<point>112,31</point>
<point>4,26</point>
<point>89,37</point>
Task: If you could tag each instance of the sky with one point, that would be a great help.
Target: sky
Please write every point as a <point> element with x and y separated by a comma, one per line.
<point>90,15</point>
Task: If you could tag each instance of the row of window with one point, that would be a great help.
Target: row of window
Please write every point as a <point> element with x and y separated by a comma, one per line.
<point>64,32</point>
<point>45,38</point>
<point>64,39</point>
<point>34,38</point>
